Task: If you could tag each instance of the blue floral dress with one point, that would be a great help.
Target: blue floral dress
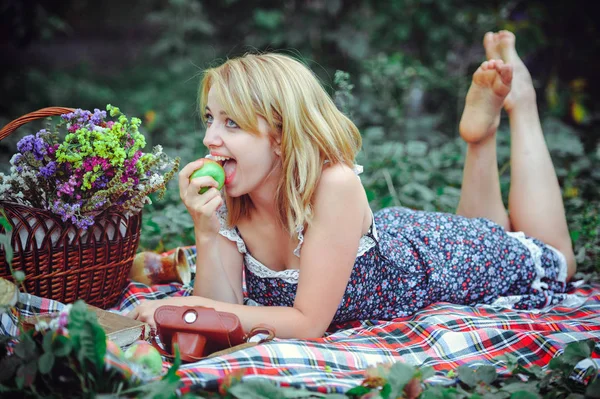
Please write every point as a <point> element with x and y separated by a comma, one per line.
<point>410,259</point>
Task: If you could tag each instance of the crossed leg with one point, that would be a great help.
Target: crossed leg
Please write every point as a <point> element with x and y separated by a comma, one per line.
<point>535,201</point>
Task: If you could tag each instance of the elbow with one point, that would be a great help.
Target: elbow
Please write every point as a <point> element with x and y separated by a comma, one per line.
<point>307,328</point>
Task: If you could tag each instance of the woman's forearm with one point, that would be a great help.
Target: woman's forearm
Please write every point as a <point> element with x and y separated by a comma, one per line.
<point>211,279</point>
<point>288,322</point>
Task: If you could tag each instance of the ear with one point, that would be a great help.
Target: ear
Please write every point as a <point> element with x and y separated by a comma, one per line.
<point>277,146</point>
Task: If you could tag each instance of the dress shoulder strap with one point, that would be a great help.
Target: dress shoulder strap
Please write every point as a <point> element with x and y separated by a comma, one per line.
<point>231,233</point>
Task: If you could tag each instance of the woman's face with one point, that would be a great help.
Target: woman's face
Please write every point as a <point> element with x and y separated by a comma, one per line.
<point>250,160</point>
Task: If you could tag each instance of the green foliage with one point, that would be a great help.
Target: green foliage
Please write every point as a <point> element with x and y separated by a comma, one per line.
<point>48,363</point>
<point>407,66</point>
<point>473,381</point>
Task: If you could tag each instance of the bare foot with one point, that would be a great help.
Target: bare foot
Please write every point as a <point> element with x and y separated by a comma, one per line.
<point>491,84</point>
<point>501,45</point>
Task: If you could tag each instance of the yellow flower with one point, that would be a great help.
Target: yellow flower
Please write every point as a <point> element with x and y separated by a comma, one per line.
<point>571,192</point>
<point>578,112</point>
<point>150,117</point>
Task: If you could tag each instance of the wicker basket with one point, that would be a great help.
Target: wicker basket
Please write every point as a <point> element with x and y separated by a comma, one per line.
<point>61,261</point>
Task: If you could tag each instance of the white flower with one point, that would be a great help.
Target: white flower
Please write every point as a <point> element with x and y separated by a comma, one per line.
<point>4,189</point>
<point>156,180</point>
<point>41,325</point>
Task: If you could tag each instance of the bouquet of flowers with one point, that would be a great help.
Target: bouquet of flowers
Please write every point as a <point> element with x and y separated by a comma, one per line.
<point>99,164</point>
<point>68,355</point>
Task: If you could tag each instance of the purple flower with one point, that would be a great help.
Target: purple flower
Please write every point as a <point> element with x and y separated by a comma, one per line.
<point>48,170</point>
<point>98,117</point>
<point>68,116</point>
<point>42,134</point>
<point>100,182</point>
<point>67,187</point>
<point>63,320</point>
<point>39,149</point>
<point>33,144</point>
<point>26,144</point>
<point>85,222</point>
<point>16,159</point>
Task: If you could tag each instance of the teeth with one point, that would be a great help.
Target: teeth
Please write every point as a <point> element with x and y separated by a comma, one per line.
<point>217,158</point>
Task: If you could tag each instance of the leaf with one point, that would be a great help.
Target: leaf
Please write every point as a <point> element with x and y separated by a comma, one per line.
<point>524,395</point>
<point>400,374</point>
<point>26,374</point>
<point>5,242</point>
<point>8,367</point>
<point>19,276</point>
<point>416,148</point>
<point>537,371</point>
<point>486,374</point>
<point>467,375</point>
<point>4,221</point>
<point>386,390</point>
<point>593,390</point>
<point>47,342</point>
<point>88,337</point>
<point>268,19</point>
<point>258,389</point>
<point>511,361</point>
<point>519,387</point>
<point>61,346</point>
<point>577,351</point>
<point>90,344</point>
<point>25,349</point>
<point>161,389</point>
<point>45,363</point>
<point>172,372</point>
<point>77,317</point>
<point>358,390</point>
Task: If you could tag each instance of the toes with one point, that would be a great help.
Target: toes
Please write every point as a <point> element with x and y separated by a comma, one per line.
<point>506,45</point>
<point>506,35</point>
<point>489,43</point>
<point>506,73</point>
<point>492,64</point>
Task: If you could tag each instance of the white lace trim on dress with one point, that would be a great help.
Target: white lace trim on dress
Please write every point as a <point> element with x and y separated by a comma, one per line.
<point>258,269</point>
<point>536,255</point>
<point>562,271</point>
<point>230,233</point>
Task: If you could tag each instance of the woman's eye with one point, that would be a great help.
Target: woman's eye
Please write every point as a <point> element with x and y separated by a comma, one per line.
<point>208,118</point>
<point>230,123</point>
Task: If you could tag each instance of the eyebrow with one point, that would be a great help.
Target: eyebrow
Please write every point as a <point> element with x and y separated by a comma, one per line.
<point>220,113</point>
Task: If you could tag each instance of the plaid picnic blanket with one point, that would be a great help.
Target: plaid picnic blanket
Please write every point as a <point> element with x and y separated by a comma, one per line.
<point>443,336</point>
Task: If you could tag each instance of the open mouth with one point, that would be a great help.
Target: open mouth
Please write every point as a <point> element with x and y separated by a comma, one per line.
<point>229,166</point>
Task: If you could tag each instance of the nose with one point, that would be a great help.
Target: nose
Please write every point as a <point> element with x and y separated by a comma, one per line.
<point>212,136</point>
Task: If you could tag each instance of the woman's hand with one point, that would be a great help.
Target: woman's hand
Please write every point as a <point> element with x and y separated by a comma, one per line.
<point>144,312</point>
<point>202,207</point>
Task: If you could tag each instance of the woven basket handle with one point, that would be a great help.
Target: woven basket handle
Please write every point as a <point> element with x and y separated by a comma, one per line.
<point>40,113</point>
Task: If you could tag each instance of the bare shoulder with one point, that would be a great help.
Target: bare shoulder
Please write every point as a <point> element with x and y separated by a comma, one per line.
<point>338,177</point>
<point>339,185</point>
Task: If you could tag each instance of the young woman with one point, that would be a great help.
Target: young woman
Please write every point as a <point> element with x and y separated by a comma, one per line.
<point>294,218</point>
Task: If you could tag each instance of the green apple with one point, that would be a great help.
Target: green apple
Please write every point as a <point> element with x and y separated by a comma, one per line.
<point>144,354</point>
<point>212,169</point>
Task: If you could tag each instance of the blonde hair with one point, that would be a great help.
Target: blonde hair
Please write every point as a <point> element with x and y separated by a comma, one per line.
<point>297,108</point>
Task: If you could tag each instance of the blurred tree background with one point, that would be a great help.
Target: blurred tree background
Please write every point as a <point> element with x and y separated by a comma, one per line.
<point>399,68</point>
